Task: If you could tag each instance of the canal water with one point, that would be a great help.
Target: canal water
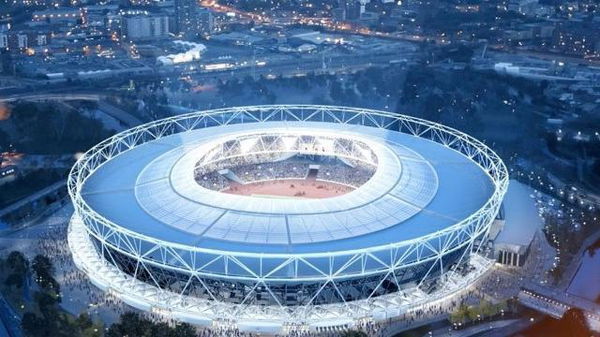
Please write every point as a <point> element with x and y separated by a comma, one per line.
<point>586,282</point>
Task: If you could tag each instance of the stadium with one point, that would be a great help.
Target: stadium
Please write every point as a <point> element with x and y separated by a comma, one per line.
<point>285,217</point>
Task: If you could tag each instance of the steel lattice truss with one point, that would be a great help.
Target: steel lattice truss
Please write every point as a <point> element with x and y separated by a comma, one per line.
<point>191,281</point>
<point>269,143</point>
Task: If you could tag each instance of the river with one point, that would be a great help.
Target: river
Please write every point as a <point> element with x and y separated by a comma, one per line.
<point>586,282</point>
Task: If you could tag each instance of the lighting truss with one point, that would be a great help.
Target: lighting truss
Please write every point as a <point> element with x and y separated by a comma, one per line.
<point>347,148</point>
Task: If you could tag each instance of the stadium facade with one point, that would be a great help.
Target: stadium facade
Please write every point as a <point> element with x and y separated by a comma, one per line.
<point>154,226</point>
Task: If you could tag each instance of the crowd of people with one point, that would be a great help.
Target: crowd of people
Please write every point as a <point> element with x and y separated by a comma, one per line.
<point>107,307</point>
<point>346,175</point>
<point>271,157</point>
<point>234,161</point>
<point>79,295</point>
<point>224,174</point>
<point>507,282</point>
<point>213,181</point>
<point>287,169</point>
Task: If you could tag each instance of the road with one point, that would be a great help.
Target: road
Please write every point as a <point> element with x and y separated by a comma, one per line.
<point>303,66</point>
<point>10,322</point>
<point>289,67</point>
<point>472,330</point>
<point>51,97</point>
<point>35,196</point>
<point>325,22</point>
<point>122,116</point>
<point>399,327</point>
<point>3,331</point>
<point>545,56</point>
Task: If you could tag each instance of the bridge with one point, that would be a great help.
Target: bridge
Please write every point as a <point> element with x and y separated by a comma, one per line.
<point>556,303</point>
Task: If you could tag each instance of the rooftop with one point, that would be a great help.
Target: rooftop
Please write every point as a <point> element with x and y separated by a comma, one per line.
<point>420,187</point>
<point>522,218</point>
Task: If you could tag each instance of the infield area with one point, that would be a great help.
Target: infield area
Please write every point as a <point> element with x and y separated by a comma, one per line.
<point>290,188</point>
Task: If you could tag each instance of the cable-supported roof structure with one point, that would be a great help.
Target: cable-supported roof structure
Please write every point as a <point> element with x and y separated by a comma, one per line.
<point>432,196</point>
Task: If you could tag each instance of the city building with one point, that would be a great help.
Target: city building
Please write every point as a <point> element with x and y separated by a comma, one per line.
<point>187,22</point>
<point>519,223</point>
<point>338,14</point>
<point>60,16</point>
<point>19,40</point>
<point>530,32</point>
<point>352,9</point>
<point>369,18</point>
<point>3,40</point>
<point>576,38</point>
<point>525,7</point>
<point>145,27</point>
<point>206,20</point>
<point>191,52</point>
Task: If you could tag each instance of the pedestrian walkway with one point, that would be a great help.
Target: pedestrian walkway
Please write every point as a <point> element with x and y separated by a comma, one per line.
<point>470,331</point>
<point>556,302</point>
<point>33,197</point>
<point>3,331</point>
<point>10,322</point>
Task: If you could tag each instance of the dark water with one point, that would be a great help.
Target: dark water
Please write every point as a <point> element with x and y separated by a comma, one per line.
<point>586,282</point>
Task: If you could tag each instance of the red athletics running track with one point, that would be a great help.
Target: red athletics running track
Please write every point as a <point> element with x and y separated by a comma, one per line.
<point>290,188</point>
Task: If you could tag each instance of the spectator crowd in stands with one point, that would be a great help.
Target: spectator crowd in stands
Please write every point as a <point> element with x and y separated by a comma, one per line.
<point>219,175</point>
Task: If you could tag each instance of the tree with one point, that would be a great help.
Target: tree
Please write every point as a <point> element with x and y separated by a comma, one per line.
<point>270,97</point>
<point>18,266</point>
<point>132,324</point>
<point>33,325</point>
<point>460,54</point>
<point>43,269</point>
<point>43,128</point>
<point>336,91</point>
<point>184,330</point>
<point>460,315</point>
<point>84,321</point>
<point>41,264</point>
<point>15,280</point>
<point>4,140</point>
<point>433,107</point>
<point>17,261</point>
<point>487,309</point>
<point>47,303</point>
<point>363,86</point>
